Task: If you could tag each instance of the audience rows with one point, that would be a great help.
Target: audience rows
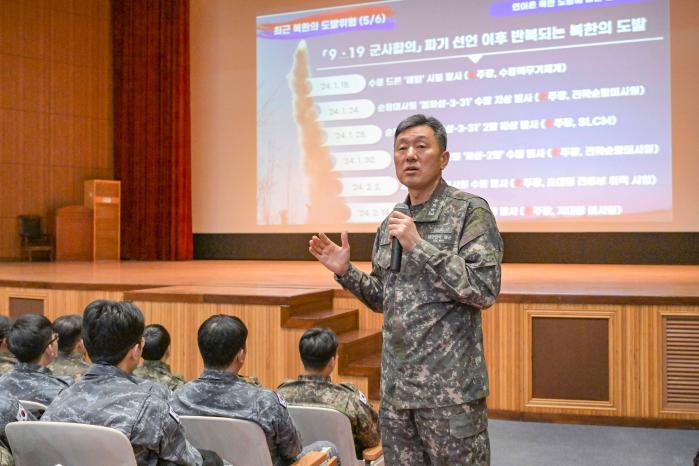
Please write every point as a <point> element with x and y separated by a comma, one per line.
<point>45,363</point>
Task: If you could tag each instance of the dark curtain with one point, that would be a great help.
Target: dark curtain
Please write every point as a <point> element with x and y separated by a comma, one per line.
<point>152,155</point>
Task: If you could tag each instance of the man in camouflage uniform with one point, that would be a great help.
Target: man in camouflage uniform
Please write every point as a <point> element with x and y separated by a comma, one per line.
<point>70,361</point>
<point>219,391</point>
<point>32,341</point>
<point>156,351</point>
<point>433,374</point>
<point>318,348</point>
<point>7,360</point>
<point>107,395</point>
<point>10,411</point>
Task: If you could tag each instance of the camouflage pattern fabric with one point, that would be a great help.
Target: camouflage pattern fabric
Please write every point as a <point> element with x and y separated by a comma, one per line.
<point>69,365</point>
<point>251,379</point>
<point>5,456</point>
<point>7,362</point>
<point>10,411</point>
<point>159,371</point>
<point>432,338</point>
<point>32,382</point>
<point>445,436</point>
<point>344,397</point>
<point>107,396</point>
<point>222,394</point>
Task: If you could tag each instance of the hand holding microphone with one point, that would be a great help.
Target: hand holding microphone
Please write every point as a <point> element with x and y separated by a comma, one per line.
<point>401,229</point>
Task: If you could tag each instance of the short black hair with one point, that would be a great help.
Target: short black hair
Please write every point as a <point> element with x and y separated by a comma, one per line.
<point>317,346</point>
<point>5,325</point>
<point>156,340</point>
<point>69,330</point>
<point>220,338</point>
<point>421,120</point>
<point>111,329</point>
<point>29,337</point>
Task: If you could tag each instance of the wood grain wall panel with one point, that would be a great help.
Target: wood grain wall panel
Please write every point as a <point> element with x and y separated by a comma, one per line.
<point>24,28</point>
<point>24,137</point>
<point>24,82</point>
<point>55,106</point>
<point>368,319</point>
<point>502,347</point>
<point>269,355</point>
<point>97,9</point>
<point>635,348</point>
<point>8,243</point>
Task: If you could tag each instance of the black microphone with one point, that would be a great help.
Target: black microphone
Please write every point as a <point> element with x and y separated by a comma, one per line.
<point>396,247</point>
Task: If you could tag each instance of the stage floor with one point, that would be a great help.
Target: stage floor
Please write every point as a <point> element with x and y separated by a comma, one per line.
<point>650,284</point>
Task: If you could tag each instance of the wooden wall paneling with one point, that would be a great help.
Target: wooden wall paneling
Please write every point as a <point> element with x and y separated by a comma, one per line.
<point>502,342</point>
<point>680,337</point>
<point>21,294</point>
<point>268,355</point>
<point>368,319</point>
<point>55,108</point>
<point>25,83</point>
<point>65,302</point>
<point>582,407</point>
<point>659,406</point>
<point>25,27</point>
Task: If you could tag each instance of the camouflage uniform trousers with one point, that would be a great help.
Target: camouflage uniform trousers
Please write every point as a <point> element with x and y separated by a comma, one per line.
<point>444,436</point>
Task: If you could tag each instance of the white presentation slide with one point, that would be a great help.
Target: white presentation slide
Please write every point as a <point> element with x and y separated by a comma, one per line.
<point>555,110</point>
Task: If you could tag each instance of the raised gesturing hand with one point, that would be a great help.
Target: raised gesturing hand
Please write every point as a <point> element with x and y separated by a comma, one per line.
<point>335,258</point>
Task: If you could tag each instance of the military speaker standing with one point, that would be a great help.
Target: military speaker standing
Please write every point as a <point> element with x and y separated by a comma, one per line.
<point>433,374</point>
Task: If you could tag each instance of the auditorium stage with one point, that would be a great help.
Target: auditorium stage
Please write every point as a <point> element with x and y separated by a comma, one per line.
<point>615,344</point>
<point>654,284</point>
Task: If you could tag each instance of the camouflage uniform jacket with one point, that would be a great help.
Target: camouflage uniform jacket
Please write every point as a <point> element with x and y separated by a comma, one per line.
<point>7,362</point>
<point>69,365</point>
<point>10,411</point>
<point>159,371</point>
<point>344,397</point>
<point>32,382</point>
<point>107,396</point>
<point>222,394</point>
<point>432,338</point>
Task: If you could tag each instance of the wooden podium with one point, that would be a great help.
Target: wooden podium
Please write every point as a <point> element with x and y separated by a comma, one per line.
<point>104,198</point>
<point>74,237</point>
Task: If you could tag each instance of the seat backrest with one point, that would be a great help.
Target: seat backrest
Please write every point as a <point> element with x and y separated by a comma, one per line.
<point>36,408</point>
<point>50,443</point>
<point>321,423</point>
<point>29,226</point>
<point>235,440</point>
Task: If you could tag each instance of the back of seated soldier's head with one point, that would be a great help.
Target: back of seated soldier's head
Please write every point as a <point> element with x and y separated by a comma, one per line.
<point>220,339</point>
<point>69,330</point>
<point>5,324</point>
<point>317,346</point>
<point>156,341</point>
<point>111,329</point>
<point>29,337</point>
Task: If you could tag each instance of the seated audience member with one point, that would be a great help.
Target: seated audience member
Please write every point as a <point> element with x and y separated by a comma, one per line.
<point>10,411</point>
<point>156,351</point>
<point>7,360</point>
<point>107,394</point>
<point>33,342</point>
<point>220,392</point>
<point>318,348</point>
<point>70,361</point>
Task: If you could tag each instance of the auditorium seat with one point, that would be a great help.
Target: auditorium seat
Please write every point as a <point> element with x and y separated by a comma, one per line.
<point>238,441</point>
<point>322,423</point>
<point>44,443</point>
